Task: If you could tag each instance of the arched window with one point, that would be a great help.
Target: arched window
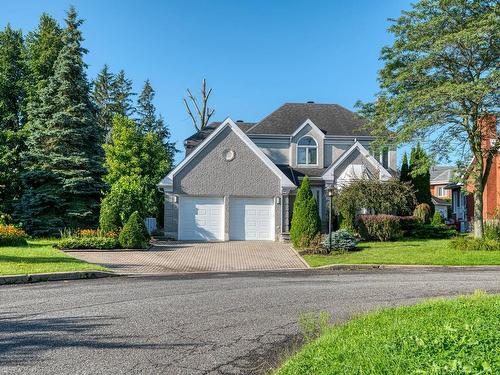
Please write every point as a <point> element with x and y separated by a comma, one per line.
<point>307,151</point>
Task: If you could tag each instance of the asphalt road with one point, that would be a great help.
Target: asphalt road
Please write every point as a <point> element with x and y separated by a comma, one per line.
<point>194,324</point>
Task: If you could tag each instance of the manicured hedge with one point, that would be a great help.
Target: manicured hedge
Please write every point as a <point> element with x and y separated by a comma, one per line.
<point>89,242</point>
<point>12,236</point>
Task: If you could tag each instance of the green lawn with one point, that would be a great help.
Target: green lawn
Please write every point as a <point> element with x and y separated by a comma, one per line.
<point>40,257</point>
<point>407,252</point>
<point>460,336</point>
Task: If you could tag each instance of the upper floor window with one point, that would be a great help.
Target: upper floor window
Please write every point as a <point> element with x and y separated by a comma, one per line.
<point>307,151</point>
<point>441,192</point>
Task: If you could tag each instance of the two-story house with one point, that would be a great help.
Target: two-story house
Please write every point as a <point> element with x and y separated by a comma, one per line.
<point>238,180</point>
<point>441,177</point>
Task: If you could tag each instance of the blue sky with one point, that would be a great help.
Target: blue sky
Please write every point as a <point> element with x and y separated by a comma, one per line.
<point>256,55</point>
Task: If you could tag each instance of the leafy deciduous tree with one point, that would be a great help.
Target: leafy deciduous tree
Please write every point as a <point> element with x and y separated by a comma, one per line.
<point>441,78</point>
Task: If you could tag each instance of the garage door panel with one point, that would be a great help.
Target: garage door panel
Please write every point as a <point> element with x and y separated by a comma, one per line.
<point>252,219</point>
<point>201,219</point>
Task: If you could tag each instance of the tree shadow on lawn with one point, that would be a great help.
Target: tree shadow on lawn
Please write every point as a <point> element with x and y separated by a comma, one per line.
<point>38,260</point>
<point>23,339</point>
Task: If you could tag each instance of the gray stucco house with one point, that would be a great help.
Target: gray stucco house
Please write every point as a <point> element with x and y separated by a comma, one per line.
<point>238,180</point>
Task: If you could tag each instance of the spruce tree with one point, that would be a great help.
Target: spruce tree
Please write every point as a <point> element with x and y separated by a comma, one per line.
<point>12,118</point>
<point>102,96</point>
<point>122,95</point>
<point>64,156</point>
<point>149,121</point>
<point>11,79</point>
<point>41,50</point>
<point>405,169</point>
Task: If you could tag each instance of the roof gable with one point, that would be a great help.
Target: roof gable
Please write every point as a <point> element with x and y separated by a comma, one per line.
<point>167,181</point>
<point>329,174</point>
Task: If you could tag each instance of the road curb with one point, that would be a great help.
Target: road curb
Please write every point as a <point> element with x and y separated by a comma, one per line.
<point>53,276</point>
<point>422,267</point>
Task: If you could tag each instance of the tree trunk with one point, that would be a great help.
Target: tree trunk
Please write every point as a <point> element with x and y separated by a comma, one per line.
<point>478,210</point>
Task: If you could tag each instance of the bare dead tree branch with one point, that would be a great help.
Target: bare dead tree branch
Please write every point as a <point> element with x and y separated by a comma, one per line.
<point>204,113</point>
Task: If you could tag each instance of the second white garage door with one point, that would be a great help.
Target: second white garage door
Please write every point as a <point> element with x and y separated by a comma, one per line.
<point>251,219</point>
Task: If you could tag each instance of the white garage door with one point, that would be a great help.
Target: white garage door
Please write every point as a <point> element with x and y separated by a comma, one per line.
<point>251,219</point>
<point>201,219</point>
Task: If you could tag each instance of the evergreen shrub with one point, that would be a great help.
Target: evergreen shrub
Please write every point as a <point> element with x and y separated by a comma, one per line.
<point>134,234</point>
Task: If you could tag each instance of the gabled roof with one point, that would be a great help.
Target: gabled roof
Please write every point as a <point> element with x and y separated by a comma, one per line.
<point>332,119</point>
<point>329,173</point>
<point>167,181</point>
<point>199,136</point>
<point>313,126</point>
<point>442,173</point>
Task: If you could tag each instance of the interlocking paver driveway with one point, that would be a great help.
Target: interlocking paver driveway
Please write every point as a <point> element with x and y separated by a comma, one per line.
<point>166,257</point>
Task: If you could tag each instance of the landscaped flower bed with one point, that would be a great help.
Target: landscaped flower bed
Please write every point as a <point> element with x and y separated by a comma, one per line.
<point>132,236</point>
<point>12,236</point>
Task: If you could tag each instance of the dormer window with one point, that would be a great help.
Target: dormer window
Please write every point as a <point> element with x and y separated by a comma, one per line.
<point>307,151</point>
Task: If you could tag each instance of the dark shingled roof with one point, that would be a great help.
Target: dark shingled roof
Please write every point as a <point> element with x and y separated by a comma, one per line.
<point>294,174</point>
<point>332,119</point>
<point>195,139</point>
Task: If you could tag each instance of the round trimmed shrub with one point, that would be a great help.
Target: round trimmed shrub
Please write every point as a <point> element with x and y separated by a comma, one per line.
<point>341,240</point>
<point>134,233</point>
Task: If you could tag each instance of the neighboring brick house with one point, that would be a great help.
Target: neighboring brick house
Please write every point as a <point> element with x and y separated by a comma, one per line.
<point>463,204</point>
<point>441,176</point>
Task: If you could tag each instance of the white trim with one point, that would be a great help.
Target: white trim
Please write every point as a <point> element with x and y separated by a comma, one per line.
<point>328,175</point>
<point>167,181</point>
<point>307,155</point>
<point>312,125</point>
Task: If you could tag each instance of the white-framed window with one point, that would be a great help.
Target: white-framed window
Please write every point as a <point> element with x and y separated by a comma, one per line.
<point>441,191</point>
<point>307,151</point>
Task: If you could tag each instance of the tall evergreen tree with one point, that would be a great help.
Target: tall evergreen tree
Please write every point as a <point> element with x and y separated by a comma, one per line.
<point>103,97</point>
<point>11,79</point>
<point>12,94</point>
<point>122,95</point>
<point>306,223</point>
<point>64,156</point>
<point>404,176</point>
<point>419,173</point>
<point>149,121</point>
<point>41,50</point>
